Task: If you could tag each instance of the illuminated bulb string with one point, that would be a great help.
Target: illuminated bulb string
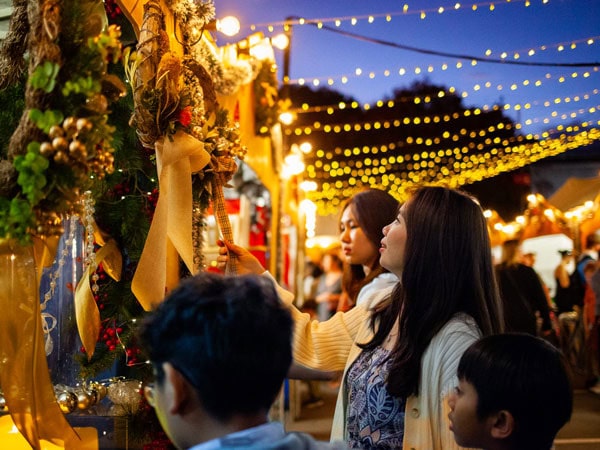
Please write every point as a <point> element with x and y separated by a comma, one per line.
<point>330,80</point>
<point>561,78</point>
<point>328,159</point>
<point>456,170</point>
<point>348,127</point>
<point>455,55</point>
<point>330,109</point>
<point>563,116</point>
<point>559,47</point>
<point>371,18</point>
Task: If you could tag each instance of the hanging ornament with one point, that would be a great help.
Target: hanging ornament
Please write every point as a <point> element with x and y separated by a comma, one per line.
<point>125,394</point>
<point>84,400</point>
<point>67,401</point>
<point>99,389</point>
<point>3,407</point>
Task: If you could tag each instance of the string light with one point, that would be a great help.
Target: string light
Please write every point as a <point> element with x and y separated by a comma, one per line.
<point>409,121</point>
<point>388,16</point>
<point>465,164</point>
<point>458,167</point>
<point>331,80</point>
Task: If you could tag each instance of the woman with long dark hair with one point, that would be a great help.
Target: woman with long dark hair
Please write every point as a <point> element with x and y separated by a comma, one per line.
<point>361,224</point>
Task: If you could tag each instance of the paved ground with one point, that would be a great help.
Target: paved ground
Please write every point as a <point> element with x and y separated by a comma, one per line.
<point>582,433</point>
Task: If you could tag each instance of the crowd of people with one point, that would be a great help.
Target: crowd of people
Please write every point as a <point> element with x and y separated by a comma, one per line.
<point>422,332</point>
<point>577,306</point>
<point>569,319</point>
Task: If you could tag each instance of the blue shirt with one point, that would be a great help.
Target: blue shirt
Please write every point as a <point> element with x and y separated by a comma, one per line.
<point>262,434</point>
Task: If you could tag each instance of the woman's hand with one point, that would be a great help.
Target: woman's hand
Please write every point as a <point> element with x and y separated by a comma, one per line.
<point>246,261</point>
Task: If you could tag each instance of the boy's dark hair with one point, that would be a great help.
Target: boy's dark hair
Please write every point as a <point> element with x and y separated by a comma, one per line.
<point>526,376</point>
<point>230,337</point>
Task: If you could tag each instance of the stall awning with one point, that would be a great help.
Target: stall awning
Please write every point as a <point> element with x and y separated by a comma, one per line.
<point>575,192</point>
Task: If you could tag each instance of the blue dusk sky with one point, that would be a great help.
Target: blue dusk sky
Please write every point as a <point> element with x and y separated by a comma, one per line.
<point>530,32</point>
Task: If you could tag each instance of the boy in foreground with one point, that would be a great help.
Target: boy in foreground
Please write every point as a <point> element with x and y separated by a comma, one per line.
<point>514,392</point>
<point>220,348</point>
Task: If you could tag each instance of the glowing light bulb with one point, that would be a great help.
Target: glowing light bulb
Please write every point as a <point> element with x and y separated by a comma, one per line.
<point>229,26</point>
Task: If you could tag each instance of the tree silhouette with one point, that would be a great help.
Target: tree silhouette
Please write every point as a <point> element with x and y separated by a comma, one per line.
<point>411,135</point>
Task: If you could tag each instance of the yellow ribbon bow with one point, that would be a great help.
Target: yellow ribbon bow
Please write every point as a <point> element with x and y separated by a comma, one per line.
<point>177,158</point>
<point>86,309</point>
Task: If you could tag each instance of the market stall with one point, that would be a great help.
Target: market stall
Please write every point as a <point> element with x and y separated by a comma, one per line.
<point>126,166</point>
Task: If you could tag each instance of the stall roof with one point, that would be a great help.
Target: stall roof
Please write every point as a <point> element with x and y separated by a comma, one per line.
<point>575,192</point>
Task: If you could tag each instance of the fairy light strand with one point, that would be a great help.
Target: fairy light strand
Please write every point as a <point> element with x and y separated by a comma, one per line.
<point>382,155</point>
<point>418,70</point>
<point>407,10</point>
<point>347,127</point>
<point>512,86</point>
<point>462,168</point>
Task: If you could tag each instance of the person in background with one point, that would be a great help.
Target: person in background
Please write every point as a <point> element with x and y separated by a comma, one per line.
<point>514,393</point>
<point>220,348</point>
<point>312,272</point>
<point>562,274</point>
<point>589,322</point>
<point>329,285</point>
<point>590,252</point>
<point>589,298</point>
<point>400,359</point>
<point>362,220</point>
<point>522,293</point>
<point>595,331</point>
<point>528,259</point>
<point>578,281</point>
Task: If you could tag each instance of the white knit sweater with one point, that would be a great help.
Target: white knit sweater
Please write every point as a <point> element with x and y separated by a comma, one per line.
<point>331,345</point>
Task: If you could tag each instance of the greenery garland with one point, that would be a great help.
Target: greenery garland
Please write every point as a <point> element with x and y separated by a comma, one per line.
<point>71,141</point>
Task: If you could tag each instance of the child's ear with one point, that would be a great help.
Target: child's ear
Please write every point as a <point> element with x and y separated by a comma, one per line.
<point>503,424</point>
<point>177,388</point>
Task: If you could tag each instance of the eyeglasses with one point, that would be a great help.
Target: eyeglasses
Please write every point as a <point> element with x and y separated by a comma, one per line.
<point>149,394</point>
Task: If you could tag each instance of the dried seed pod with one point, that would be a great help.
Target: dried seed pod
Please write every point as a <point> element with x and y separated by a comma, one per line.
<point>84,125</point>
<point>46,149</point>
<point>77,150</point>
<point>61,157</point>
<point>56,131</point>
<point>60,144</point>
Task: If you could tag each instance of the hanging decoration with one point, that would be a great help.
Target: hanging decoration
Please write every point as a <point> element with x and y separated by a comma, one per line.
<point>63,136</point>
<point>62,143</point>
<point>177,115</point>
<point>266,100</point>
<point>24,378</point>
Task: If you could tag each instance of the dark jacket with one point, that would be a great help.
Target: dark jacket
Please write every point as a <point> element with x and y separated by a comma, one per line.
<point>522,295</point>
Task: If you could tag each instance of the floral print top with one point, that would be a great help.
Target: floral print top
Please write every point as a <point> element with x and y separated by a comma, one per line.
<point>375,418</point>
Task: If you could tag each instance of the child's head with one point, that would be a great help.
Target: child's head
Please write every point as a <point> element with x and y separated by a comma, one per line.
<point>514,392</point>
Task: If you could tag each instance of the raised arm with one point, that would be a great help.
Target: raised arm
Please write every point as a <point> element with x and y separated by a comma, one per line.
<point>317,345</point>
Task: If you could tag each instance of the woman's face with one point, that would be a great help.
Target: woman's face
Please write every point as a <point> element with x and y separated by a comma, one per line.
<point>356,246</point>
<point>393,244</point>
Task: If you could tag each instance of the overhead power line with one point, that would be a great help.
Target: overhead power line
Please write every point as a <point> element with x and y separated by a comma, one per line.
<point>446,54</point>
